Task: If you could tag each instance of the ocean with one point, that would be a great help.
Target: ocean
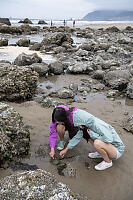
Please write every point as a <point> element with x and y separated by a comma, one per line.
<point>14,22</point>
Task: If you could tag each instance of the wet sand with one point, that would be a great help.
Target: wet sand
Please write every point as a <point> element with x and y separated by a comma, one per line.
<point>11,52</point>
<point>113,183</point>
<point>102,25</point>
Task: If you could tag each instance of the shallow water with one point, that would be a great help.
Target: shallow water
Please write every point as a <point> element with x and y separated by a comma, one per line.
<point>9,53</point>
<point>57,82</point>
<point>32,38</point>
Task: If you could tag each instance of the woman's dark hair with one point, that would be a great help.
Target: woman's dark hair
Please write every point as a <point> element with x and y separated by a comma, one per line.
<point>59,114</point>
<point>86,135</point>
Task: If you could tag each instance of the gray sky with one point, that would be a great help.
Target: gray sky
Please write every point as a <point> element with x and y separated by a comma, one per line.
<point>58,9</point>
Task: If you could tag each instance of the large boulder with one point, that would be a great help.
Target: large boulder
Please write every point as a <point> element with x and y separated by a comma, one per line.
<point>23,42</point>
<point>17,83</point>
<point>65,93</point>
<point>41,68</point>
<point>57,39</point>
<point>24,59</point>
<point>98,74</point>
<point>10,29</point>
<point>131,68</point>
<point>25,21</point>
<point>81,53</point>
<point>128,124</point>
<point>36,46</point>
<point>80,68</point>
<point>56,68</point>
<point>26,28</point>
<point>14,136</point>
<point>130,89</point>
<point>35,185</point>
<point>117,79</point>
<point>41,22</point>
<point>5,21</point>
<point>112,29</point>
<point>3,42</point>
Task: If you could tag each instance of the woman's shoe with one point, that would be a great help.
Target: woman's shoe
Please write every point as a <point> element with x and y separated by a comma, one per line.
<point>61,145</point>
<point>94,155</point>
<point>103,165</point>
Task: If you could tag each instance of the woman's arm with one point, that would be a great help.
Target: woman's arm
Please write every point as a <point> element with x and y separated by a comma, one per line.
<point>53,139</point>
<point>75,140</point>
<point>72,143</point>
<point>53,135</point>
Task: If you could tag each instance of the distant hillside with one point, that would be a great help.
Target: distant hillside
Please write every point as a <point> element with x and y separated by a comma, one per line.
<point>109,15</point>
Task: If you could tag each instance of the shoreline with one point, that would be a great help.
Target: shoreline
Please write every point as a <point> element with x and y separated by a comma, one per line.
<point>106,25</point>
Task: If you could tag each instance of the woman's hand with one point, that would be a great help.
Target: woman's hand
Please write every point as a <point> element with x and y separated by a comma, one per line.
<point>88,130</point>
<point>63,152</point>
<point>52,153</point>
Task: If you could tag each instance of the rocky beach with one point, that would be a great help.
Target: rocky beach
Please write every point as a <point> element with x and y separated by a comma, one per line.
<point>89,67</point>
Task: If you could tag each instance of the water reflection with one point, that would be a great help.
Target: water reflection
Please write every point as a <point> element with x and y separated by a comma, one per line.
<point>56,82</point>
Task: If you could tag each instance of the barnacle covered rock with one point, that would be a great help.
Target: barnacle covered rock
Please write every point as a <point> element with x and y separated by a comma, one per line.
<point>35,185</point>
<point>57,39</point>
<point>14,136</point>
<point>17,83</point>
<point>128,124</point>
<point>24,59</point>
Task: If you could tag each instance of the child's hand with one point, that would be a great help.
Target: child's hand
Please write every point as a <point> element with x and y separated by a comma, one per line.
<point>52,153</point>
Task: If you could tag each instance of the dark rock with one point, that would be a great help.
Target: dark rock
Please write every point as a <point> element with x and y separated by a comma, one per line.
<point>112,29</point>
<point>41,68</point>
<point>13,134</point>
<point>23,42</point>
<point>42,22</point>
<point>98,74</point>
<point>57,39</point>
<point>35,47</point>
<point>130,89</point>
<point>25,21</point>
<point>128,124</point>
<point>17,83</point>
<point>59,49</point>
<point>5,21</point>
<point>129,28</point>
<point>24,59</point>
<point>56,68</point>
<point>10,30</point>
<point>65,93</point>
<point>3,42</point>
<point>26,28</point>
<point>117,79</point>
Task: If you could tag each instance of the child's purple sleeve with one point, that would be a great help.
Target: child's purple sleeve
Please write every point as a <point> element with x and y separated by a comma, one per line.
<point>53,134</point>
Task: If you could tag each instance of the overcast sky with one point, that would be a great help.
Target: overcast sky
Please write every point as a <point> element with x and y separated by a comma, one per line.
<point>58,9</point>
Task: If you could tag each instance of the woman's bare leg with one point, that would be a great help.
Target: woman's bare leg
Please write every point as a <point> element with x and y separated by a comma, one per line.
<point>91,141</point>
<point>106,150</point>
<point>61,131</point>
